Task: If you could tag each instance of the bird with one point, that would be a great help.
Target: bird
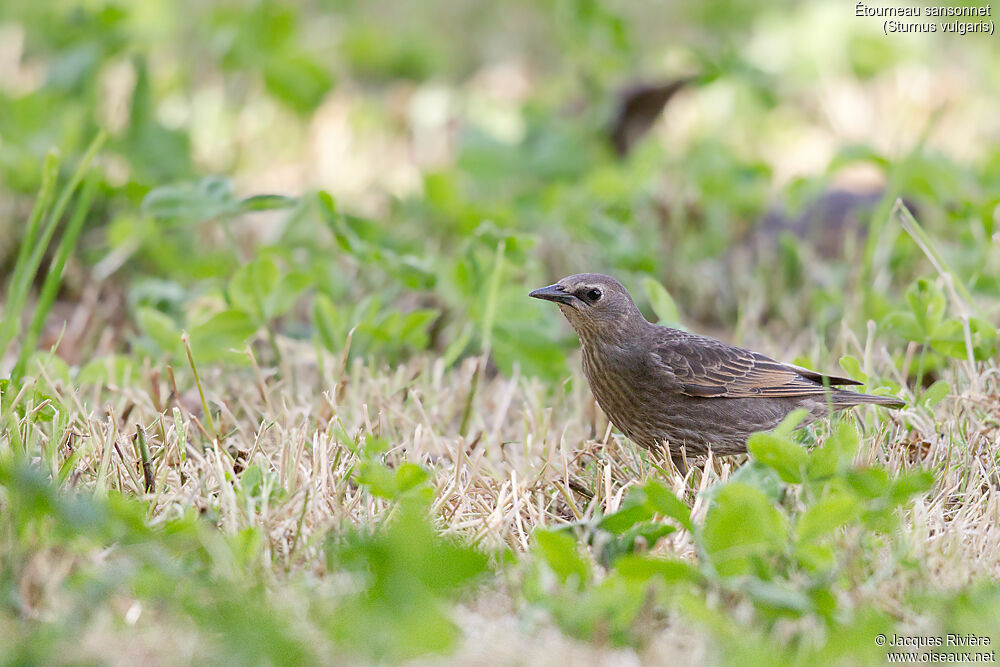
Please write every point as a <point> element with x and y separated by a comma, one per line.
<point>681,393</point>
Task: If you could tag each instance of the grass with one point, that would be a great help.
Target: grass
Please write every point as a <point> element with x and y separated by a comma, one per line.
<point>260,429</point>
<point>532,459</point>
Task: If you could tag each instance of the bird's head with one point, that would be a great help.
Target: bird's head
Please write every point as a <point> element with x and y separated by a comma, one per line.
<point>597,306</point>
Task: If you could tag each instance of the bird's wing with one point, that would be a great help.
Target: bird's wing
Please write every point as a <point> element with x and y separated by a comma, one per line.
<point>709,368</point>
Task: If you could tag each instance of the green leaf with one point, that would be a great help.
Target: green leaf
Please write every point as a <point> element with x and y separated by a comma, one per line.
<point>559,551</point>
<point>209,198</point>
<point>297,79</point>
<point>910,484</point>
<point>387,483</point>
<point>642,503</point>
<point>903,324</point>
<point>853,368</point>
<point>409,476</point>
<point>786,457</point>
<point>779,597</point>
<point>115,369</point>
<point>250,286</point>
<point>414,327</point>
<point>664,502</point>
<point>836,454</point>
<point>622,520</point>
<point>405,572</point>
<point>927,303</point>
<point>826,515</point>
<point>754,474</point>
<point>266,203</point>
<point>935,393</point>
<point>645,533</point>
<point>790,422</point>
<point>259,290</point>
<point>222,337</point>
<point>950,339</point>
<point>645,568</point>
<point>160,328</point>
<point>661,302</point>
<point>741,527</point>
<point>414,272</point>
<point>328,323</point>
<point>869,482</point>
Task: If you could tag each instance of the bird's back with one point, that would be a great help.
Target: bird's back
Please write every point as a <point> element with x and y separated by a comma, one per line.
<point>698,392</point>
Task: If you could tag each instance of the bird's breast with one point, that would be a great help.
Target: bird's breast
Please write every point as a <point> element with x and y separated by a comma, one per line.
<point>622,389</point>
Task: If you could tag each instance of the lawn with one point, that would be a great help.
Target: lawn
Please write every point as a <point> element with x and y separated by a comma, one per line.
<point>273,391</point>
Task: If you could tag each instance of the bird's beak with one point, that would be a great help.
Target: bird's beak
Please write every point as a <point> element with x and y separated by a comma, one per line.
<point>552,293</point>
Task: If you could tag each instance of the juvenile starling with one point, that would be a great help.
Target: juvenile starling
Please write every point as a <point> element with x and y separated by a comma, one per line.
<point>668,388</point>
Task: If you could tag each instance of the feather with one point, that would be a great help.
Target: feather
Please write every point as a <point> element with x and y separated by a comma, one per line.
<point>709,368</point>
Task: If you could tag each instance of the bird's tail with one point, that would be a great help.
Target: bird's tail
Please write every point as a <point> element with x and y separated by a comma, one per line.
<point>846,399</point>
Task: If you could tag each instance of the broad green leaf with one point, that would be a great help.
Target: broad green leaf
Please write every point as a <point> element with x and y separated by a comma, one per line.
<point>160,328</point>
<point>222,337</point>
<point>379,479</point>
<point>559,551</point>
<point>816,556</point>
<point>742,526</point>
<point>664,502</point>
<point>114,369</point>
<point>790,422</point>
<point>409,476</point>
<point>935,393</point>
<point>390,484</point>
<point>950,339</point>
<point>296,78</point>
<point>644,533</point>
<point>754,474</point>
<point>405,572</point>
<point>853,368</point>
<point>927,303</point>
<point>414,327</point>
<point>869,482</point>
<point>826,515</point>
<point>835,454</point>
<point>266,203</point>
<point>781,597</point>
<point>903,324</point>
<point>786,457</point>
<point>910,484</point>
<point>56,369</point>
<point>645,568</point>
<point>251,286</point>
<point>625,518</point>
<point>413,272</point>
<point>191,202</point>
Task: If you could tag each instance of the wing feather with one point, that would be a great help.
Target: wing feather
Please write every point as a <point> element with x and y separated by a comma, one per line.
<point>712,369</point>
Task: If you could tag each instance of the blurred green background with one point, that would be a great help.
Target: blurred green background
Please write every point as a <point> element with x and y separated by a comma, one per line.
<point>464,154</point>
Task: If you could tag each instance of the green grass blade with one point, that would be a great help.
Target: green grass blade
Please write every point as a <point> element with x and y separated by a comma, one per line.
<point>15,299</point>
<point>26,271</point>
<point>55,215</point>
<point>54,277</point>
<point>924,242</point>
<point>489,313</point>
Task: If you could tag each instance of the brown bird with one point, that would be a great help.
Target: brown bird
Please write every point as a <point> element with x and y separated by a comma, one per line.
<point>668,388</point>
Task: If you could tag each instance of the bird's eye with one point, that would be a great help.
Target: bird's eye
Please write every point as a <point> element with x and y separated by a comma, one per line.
<point>593,295</point>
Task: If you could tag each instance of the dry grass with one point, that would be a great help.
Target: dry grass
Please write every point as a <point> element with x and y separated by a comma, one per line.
<point>532,456</point>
